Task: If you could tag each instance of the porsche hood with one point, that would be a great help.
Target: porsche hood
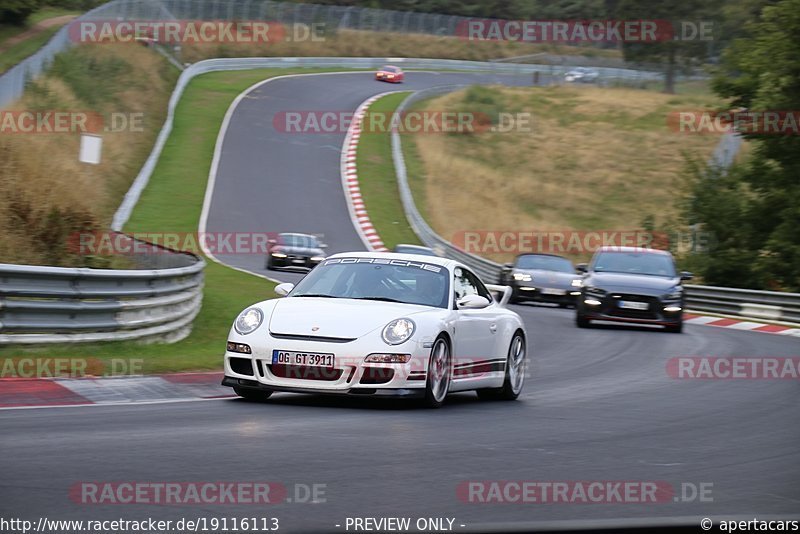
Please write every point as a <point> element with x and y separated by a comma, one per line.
<point>335,317</point>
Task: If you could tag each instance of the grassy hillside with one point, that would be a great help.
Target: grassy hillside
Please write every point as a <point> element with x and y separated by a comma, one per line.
<point>594,159</point>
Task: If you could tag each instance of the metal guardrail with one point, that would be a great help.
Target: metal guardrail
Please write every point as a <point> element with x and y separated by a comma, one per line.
<point>771,306</point>
<point>226,64</point>
<point>152,312</point>
<point>290,14</point>
<point>78,305</point>
<point>486,269</point>
<point>157,301</point>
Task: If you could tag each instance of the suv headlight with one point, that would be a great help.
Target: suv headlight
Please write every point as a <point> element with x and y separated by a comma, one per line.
<point>248,321</point>
<point>674,294</point>
<point>522,277</point>
<point>398,331</point>
<point>595,291</point>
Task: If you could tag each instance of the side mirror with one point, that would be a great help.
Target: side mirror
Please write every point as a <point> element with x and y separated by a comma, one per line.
<point>283,289</point>
<point>323,245</point>
<point>472,302</point>
<point>581,267</point>
<point>508,266</point>
<point>686,275</point>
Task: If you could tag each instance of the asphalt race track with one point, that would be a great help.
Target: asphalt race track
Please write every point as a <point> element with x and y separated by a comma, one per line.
<point>273,181</point>
<point>598,404</point>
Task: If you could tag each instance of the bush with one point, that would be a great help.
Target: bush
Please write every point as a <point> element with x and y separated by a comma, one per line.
<point>17,11</point>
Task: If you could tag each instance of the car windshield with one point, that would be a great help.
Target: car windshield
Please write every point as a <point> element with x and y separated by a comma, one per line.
<point>390,69</point>
<point>383,279</point>
<point>298,240</point>
<point>425,251</point>
<point>646,263</point>
<point>545,263</point>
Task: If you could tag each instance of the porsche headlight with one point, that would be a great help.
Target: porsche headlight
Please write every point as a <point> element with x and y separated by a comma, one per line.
<point>248,321</point>
<point>521,277</point>
<point>398,331</point>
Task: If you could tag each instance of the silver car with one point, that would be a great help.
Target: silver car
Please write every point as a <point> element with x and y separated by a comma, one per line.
<point>542,278</point>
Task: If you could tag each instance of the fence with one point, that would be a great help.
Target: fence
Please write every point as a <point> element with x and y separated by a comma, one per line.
<point>156,301</point>
<point>334,18</point>
<point>213,65</point>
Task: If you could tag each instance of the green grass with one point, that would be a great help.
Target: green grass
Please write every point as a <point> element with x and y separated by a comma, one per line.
<point>415,173</point>
<point>378,181</point>
<point>49,12</point>
<point>172,202</point>
<point>26,48</point>
<point>20,51</point>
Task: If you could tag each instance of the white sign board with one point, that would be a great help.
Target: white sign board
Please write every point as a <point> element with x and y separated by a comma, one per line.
<point>91,148</point>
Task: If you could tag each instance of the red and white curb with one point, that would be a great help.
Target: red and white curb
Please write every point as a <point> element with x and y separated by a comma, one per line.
<point>740,324</point>
<point>41,392</point>
<point>352,191</point>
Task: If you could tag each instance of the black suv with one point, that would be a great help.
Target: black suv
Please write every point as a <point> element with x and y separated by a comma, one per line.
<point>632,285</point>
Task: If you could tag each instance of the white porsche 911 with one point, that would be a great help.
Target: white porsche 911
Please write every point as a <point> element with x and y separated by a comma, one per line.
<point>380,324</point>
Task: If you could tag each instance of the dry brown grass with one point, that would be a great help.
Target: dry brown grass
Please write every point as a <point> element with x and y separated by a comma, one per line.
<point>362,43</point>
<point>46,193</point>
<point>596,159</point>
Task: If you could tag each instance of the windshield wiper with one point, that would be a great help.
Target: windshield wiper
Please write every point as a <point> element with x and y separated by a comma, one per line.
<point>382,299</point>
<point>318,295</point>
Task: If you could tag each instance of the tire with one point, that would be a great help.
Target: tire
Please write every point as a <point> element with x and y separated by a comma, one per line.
<point>252,394</point>
<point>675,328</point>
<point>440,371</point>
<point>582,321</point>
<point>515,373</point>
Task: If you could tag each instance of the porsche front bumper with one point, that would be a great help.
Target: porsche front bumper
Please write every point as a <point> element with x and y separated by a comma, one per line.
<point>350,374</point>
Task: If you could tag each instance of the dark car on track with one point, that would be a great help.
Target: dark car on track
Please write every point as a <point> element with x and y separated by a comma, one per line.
<point>541,278</point>
<point>632,285</point>
<point>414,249</point>
<point>302,251</point>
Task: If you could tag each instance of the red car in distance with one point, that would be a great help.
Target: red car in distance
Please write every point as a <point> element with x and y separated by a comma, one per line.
<point>391,74</point>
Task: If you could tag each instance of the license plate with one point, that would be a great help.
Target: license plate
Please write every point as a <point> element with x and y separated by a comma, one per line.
<point>298,260</point>
<point>632,305</point>
<point>305,359</point>
<point>551,291</point>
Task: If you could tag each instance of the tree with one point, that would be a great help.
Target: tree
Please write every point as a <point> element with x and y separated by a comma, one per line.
<point>680,52</point>
<point>762,73</point>
<point>17,11</point>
